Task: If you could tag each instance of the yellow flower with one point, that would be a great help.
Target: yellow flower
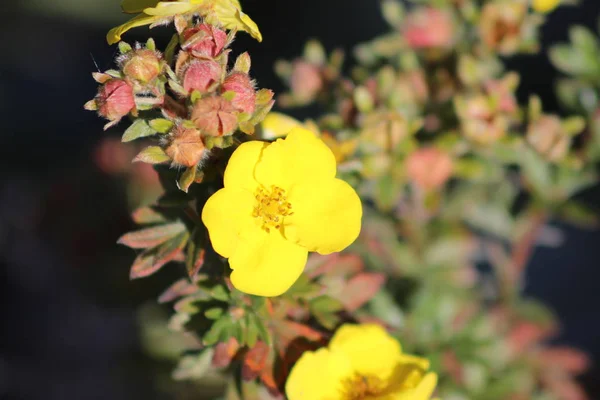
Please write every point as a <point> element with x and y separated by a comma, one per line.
<point>276,125</point>
<point>545,6</point>
<point>280,201</point>
<point>225,13</point>
<point>362,362</point>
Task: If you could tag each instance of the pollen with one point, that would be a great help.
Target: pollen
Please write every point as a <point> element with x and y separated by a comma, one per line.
<point>362,387</point>
<point>271,207</point>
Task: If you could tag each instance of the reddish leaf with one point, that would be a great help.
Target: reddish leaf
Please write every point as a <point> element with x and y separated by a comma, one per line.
<point>287,331</point>
<point>151,237</point>
<point>152,260</point>
<point>182,287</point>
<point>338,265</point>
<point>571,360</point>
<point>525,334</point>
<point>225,352</point>
<point>360,289</point>
<point>271,380</point>
<point>255,361</point>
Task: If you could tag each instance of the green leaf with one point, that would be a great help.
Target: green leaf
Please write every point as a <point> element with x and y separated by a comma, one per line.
<point>251,330</point>
<point>219,292</point>
<point>187,178</point>
<point>171,48</point>
<point>152,155</point>
<point>314,53</point>
<point>579,214</point>
<point>161,125</point>
<point>363,99</point>
<point>218,331</point>
<point>242,63</point>
<point>263,333</point>
<point>138,129</point>
<point>537,172</point>
<point>213,313</point>
<point>151,44</point>
<point>326,304</point>
<point>124,47</point>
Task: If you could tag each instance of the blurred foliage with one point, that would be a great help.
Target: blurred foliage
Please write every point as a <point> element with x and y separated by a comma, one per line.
<point>459,183</point>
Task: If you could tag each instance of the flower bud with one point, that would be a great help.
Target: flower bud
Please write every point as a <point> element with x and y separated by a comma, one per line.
<point>547,136</point>
<point>115,99</point>
<point>144,66</point>
<point>204,41</point>
<point>306,80</point>
<point>245,96</point>
<point>501,26</point>
<point>215,116</point>
<point>429,28</point>
<point>186,147</point>
<point>201,75</point>
<point>429,168</point>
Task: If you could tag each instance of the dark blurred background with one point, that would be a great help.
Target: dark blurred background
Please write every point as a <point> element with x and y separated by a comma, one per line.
<point>68,310</point>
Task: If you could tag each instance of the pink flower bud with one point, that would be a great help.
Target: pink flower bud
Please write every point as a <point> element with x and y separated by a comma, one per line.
<point>429,168</point>
<point>201,75</point>
<point>245,96</point>
<point>215,116</point>
<point>306,80</point>
<point>115,99</point>
<point>429,28</point>
<point>209,44</point>
<point>186,147</point>
<point>143,66</point>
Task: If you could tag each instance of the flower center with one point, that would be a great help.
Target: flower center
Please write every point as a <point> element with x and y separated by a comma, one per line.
<point>271,207</point>
<point>360,387</point>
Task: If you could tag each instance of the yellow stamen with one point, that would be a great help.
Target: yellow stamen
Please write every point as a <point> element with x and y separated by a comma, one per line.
<point>361,387</point>
<point>271,207</point>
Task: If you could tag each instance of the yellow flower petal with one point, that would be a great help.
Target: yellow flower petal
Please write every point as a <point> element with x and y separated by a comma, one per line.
<point>299,158</point>
<point>228,215</point>
<point>318,376</point>
<point>422,392</point>
<point>265,264</point>
<point>114,35</point>
<point>326,216</point>
<point>137,6</point>
<point>240,169</point>
<point>170,9</point>
<point>370,349</point>
<point>545,6</point>
<point>277,125</point>
<point>230,15</point>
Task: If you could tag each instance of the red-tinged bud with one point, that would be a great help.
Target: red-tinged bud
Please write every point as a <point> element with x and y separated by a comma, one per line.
<point>215,116</point>
<point>429,28</point>
<point>245,95</point>
<point>429,168</point>
<point>204,41</point>
<point>186,147</point>
<point>143,66</point>
<point>306,80</point>
<point>115,99</point>
<point>201,75</point>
